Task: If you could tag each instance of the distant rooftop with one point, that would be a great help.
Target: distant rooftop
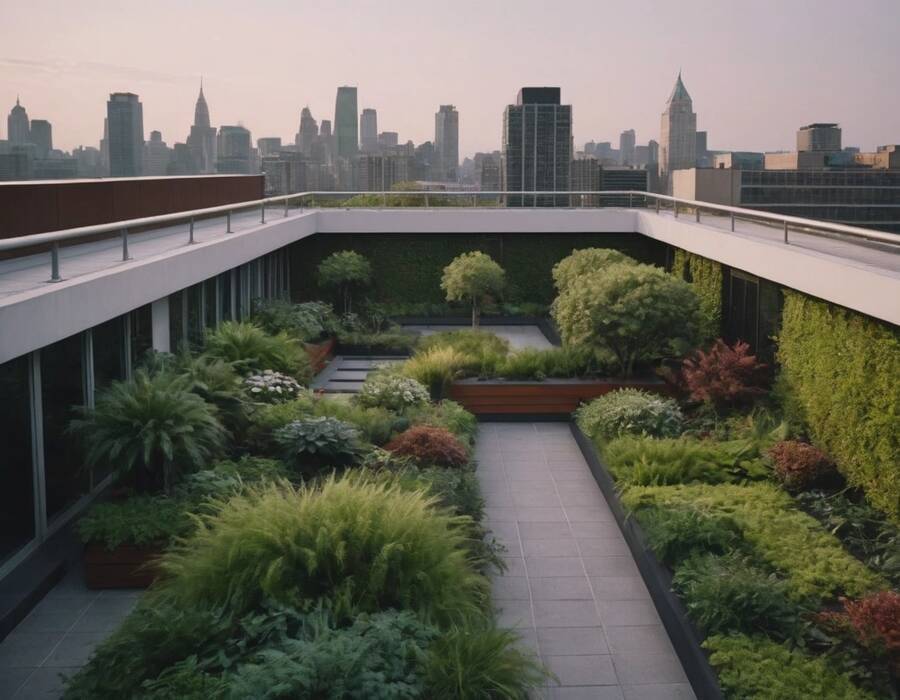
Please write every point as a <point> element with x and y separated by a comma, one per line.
<point>539,95</point>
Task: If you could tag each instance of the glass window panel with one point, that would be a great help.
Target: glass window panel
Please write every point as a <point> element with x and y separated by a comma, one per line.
<point>209,299</point>
<point>17,494</point>
<point>195,315</point>
<point>141,334</point>
<point>176,321</point>
<point>109,352</point>
<point>225,291</point>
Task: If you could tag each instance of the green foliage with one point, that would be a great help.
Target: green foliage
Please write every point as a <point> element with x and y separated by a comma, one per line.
<point>449,415</point>
<point>391,341</point>
<point>482,349</point>
<point>587,261</point>
<point>375,425</point>
<point>140,521</point>
<point>647,462</point>
<point>309,321</point>
<point>473,277</point>
<point>435,368</point>
<point>391,391</point>
<point>727,594</point>
<point>630,412</point>
<point>313,443</point>
<point>565,362</point>
<point>456,489</point>
<point>480,662</point>
<point>675,534</point>
<point>706,278</point>
<point>251,350</point>
<point>639,313</point>
<point>152,428</point>
<point>840,369</point>
<point>265,419</point>
<point>753,668</point>
<point>792,542</point>
<point>427,445</point>
<point>345,271</point>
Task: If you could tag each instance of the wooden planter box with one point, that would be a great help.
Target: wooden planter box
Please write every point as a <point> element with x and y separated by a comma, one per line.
<point>550,397</point>
<point>319,354</point>
<point>126,566</point>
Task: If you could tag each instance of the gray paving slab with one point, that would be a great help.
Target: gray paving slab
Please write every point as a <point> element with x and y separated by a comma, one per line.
<point>574,591</point>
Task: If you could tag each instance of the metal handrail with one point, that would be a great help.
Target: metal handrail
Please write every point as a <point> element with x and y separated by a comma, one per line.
<point>808,226</point>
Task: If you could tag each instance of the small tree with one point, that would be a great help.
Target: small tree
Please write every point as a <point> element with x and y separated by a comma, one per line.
<point>586,261</point>
<point>345,271</point>
<point>473,277</point>
<point>636,312</point>
<point>725,375</point>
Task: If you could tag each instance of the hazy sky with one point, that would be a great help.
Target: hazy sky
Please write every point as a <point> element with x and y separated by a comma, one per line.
<point>756,70</point>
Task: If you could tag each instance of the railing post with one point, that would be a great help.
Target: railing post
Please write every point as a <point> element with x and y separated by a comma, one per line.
<point>732,222</point>
<point>54,262</point>
<point>657,204</point>
<point>384,200</point>
<point>630,200</point>
<point>286,202</point>
<point>228,222</point>
<point>698,215</point>
<point>474,201</point>
<point>262,213</point>
<point>675,207</point>
<point>191,232</point>
<point>785,231</point>
<point>125,255</point>
<point>426,200</point>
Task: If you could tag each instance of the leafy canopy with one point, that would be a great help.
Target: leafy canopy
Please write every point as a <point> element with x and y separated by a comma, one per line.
<point>473,277</point>
<point>586,261</point>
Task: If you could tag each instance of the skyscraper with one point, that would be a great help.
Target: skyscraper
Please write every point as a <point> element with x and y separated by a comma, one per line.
<point>368,130</point>
<point>818,137</point>
<point>346,127</point>
<point>202,140</point>
<point>678,134</point>
<point>446,141</point>
<point>18,128</point>
<point>234,150</point>
<point>325,129</point>
<point>157,156</point>
<point>41,137</point>
<point>626,147</point>
<point>537,146</point>
<point>307,132</point>
<point>125,119</point>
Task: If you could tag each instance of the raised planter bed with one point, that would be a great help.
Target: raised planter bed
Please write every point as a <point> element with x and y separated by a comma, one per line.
<point>550,397</point>
<point>126,566</point>
<point>319,353</point>
<point>686,638</point>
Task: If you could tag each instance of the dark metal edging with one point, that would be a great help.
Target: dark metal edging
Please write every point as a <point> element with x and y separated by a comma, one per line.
<point>684,635</point>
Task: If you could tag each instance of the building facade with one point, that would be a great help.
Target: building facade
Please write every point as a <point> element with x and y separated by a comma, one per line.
<point>157,156</point>
<point>819,137</point>
<point>234,150</point>
<point>446,142</point>
<point>626,147</point>
<point>368,130</point>
<point>307,133</point>
<point>346,127</point>
<point>41,137</point>
<point>125,120</point>
<point>678,134</point>
<point>18,127</point>
<point>201,141</point>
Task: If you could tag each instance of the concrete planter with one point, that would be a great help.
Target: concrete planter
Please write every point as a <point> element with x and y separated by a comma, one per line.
<point>126,566</point>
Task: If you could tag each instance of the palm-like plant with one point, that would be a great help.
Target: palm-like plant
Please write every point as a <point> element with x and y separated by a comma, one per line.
<point>151,427</point>
<point>251,350</point>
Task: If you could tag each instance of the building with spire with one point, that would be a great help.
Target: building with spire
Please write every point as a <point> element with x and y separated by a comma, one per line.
<point>202,140</point>
<point>678,134</point>
<point>18,128</point>
<point>307,133</point>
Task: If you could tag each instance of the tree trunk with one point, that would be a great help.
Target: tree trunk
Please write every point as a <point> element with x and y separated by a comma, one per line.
<point>476,315</point>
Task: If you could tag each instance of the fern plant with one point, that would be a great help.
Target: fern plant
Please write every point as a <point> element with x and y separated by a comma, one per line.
<point>252,350</point>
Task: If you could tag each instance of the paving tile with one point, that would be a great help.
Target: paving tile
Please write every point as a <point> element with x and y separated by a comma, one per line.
<point>74,649</point>
<point>565,613</point>
<point>515,566</point>
<point>561,588</point>
<point>621,588</point>
<point>511,588</point>
<point>608,528</point>
<point>616,567</point>
<point>627,612</point>
<point>49,620</point>
<point>11,680</point>
<point>557,547</point>
<point>638,639</point>
<point>504,530</point>
<point>514,614</point>
<point>543,531</point>
<point>582,670</point>
<point>582,514</point>
<point>595,692</point>
<point>541,499</point>
<point>27,649</point>
<point>645,669</point>
<point>565,641</point>
<point>666,691</point>
<point>543,567</point>
<point>501,499</point>
<point>583,498</point>
<point>44,684</point>
<point>603,547</point>
<point>540,515</point>
<point>500,514</point>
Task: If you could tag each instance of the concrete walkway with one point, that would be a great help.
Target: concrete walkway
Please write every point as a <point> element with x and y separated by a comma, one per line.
<point>572,588</point>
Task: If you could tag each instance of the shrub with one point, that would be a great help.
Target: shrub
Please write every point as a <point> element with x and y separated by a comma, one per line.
<point>840,369</point>
<point>639,313</point>
<point>265,419</point>
<point>376,425</point>
<point>391,391</point>
<point>727,594</point>
<point>565,362</point>
<point>481,348</point>
<point>706,277</point>
<point>448,415</point>
<point>151,428</point>
<point>252,350</point>
<point>800,466</point>
<point>307,322</point>
<point>875,620</point>
<point>139,520</point>
<point>362,546</point>
<point>752,668</point>
<point>675,534</point>
<point>272,387</point>
<point>792,542</point>
<point>726,375</point>
<point>629,412</point>
<point>430,446</point>
<point>393,341</point>
<point>345,271</point>
<point>318,442</point>
<point>474,662</point>
<point>587,261</point>
<point>436,369</point>
<point>473,277</point>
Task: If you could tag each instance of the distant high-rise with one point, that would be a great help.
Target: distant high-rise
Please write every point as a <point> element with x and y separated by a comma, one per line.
<point>446,141</point>
<point>234,149</point>
<point>652,151</point>
<point>819,137</point>
<point>346,126</point>
<point>41,137</point>
<point>125,119</point>
<point>18,128</point>
<point>307,132</point>
<point>202,140</point>
<point>537,146</point>
<point>157,156</point>
<point>388,139</point>
<point>268,145</point>
<point>678,134</point>
<point>325,129</point>
<point>368,130</point>
<point>626,147</point>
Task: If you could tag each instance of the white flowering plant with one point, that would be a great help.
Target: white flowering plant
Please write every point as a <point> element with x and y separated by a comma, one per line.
<point>272,387</point>
<point>391,391</point>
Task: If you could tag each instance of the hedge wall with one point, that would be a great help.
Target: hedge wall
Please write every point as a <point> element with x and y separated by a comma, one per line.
<point>407,268</point>
<point>706,277</point>
<point>841,374</point>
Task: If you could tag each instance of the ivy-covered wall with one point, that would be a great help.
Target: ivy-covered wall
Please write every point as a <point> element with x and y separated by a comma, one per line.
<point>706,276</point>
<point>841,374</point>
<point>408,268</point>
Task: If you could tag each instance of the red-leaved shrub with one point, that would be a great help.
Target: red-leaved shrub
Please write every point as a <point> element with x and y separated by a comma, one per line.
<point>427,445</point>
<point>725,375</point>
<point>800,466</point>
<point>875,620</point>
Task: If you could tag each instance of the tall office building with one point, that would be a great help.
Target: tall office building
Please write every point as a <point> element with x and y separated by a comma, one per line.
<point>18,128</point>
<point>626,147</point>
<point>41,137</point>
<point>368,130</point>
<point>125,120</point>
<point>446,142</point>
<point>325,129</point>
<point>268,146</point>
<point>819,137</point>
<point>157,156</point>
<point>202,140</point>
<point>234,150</point>
<point>537,146</point>
<point>307,132</point>
<point>346,128</point>
<point>678,134</point>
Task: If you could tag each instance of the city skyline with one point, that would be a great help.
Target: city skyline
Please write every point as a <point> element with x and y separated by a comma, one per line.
<point>752,84</point>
